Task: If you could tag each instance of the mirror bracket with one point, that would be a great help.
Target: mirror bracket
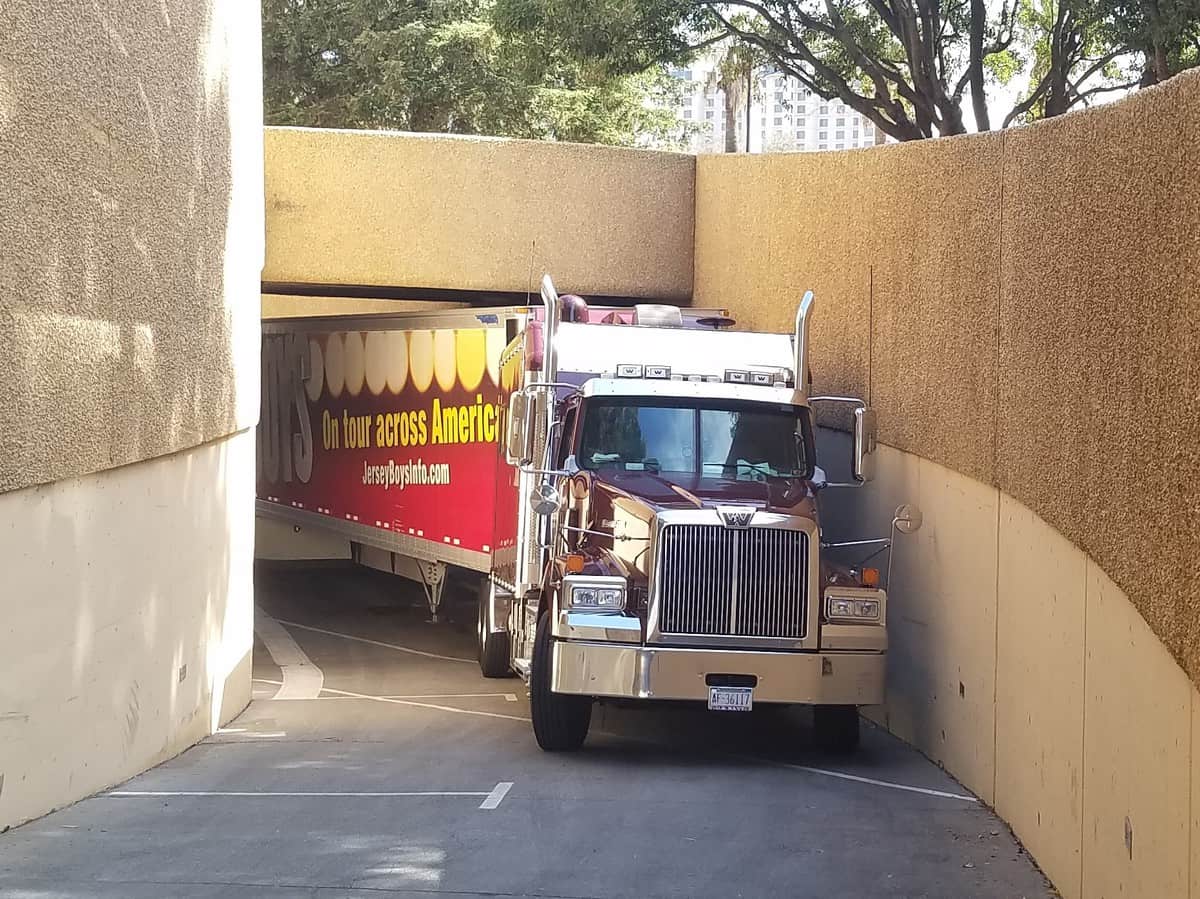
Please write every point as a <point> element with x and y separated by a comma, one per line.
<point>907,519</point>
<point>546,472</point>
<point>862,463</point>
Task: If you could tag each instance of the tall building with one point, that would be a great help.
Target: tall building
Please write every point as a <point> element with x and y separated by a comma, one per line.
<point>784,114</point>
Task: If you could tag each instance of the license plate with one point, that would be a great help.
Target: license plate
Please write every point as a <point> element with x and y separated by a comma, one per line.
<point>730,699</point>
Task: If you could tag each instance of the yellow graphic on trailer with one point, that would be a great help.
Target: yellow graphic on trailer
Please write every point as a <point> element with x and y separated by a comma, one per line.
<point>347,365</point>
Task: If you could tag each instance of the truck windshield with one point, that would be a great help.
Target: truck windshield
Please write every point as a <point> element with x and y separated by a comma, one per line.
<point>737,441</point>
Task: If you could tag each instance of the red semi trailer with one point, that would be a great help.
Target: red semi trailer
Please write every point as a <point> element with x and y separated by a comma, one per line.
<point>636,489</point>
<point>385,430</point>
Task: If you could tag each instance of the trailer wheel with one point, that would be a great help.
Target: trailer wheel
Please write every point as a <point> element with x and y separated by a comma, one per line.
<point>560,721</point>
<point>837,728</point>
<point>492,648</point>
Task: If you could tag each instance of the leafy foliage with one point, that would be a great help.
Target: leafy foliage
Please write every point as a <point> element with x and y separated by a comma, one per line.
<point>445,66</point>
<point>910,66</point>
<point>1164,33</point>
<point>733,77</point>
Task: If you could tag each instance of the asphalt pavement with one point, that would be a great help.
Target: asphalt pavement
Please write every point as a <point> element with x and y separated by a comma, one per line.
<point>375,761</point>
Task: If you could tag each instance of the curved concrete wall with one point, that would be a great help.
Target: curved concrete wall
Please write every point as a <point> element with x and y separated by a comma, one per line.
<point>1018,665</point>
<point>1023,309</point>
<point>131,221</point>
<point>466,213</point>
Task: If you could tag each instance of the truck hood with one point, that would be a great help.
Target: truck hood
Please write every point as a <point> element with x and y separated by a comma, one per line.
<point>671,490</point>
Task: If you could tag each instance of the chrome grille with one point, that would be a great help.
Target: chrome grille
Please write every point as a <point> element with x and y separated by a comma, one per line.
<point>731,582</point>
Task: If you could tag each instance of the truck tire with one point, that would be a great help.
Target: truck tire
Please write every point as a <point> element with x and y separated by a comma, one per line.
<point>560,721</point>
<point>837,728</point>
<point>492,648</point>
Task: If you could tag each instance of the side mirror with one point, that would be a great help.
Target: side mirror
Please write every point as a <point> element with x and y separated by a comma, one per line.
<point>516,443</point>
<point>543,499</point>
<point>862,466</point>
<point>908,518</point>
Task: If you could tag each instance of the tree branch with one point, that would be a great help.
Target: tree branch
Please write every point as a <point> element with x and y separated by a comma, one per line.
<point>1097,66</point>
<point>1027,104</point>
<point>1107,88</point>
<point>975,66</point>
<point>878,74</point>
<point>706,43</point>
<point>886,113</point>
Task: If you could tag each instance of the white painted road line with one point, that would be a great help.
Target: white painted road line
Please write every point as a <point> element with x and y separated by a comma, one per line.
<point>230,736</point>
<point>497,795</point>
<point>822,772</point>
<point>285,794</point>
<point>425,705</point>
<point>301,678</point>
<point>842,775</point>
<point>508,697</point>
<point>398,648</point>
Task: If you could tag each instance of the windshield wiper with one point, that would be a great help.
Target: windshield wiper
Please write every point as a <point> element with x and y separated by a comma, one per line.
<point>762,468</point>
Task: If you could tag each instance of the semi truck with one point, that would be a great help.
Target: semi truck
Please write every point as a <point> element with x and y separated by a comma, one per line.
<point>636,492</point>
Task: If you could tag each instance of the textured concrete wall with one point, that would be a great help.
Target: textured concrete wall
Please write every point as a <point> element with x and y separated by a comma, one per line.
<point>1022,668</point>
<point>289,306</point>
<point>1099,387</point>
<point>132,232</point>
<point>408,210</point>
<point>1023,308</point>
<point>131,226</point>
<point>901,248</point>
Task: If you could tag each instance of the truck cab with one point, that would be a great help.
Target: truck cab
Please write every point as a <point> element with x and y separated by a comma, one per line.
<point>665,541</point>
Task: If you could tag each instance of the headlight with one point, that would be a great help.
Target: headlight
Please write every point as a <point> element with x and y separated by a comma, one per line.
<point>598,594</point>
<point>854,609</point>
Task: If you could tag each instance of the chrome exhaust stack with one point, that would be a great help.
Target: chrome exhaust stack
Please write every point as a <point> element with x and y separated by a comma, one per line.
<point>803,317</point>
<point>550,330</point>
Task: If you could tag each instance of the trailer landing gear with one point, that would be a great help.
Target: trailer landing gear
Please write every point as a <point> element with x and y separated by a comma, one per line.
<point>433,579</point>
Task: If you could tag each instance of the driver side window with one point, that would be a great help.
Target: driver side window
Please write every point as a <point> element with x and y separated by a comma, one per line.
<point>566,437</point>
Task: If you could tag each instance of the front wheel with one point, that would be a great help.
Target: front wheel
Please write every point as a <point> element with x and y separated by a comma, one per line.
<point>492,648</point>
<point>560,721</point>
<point>837,728</point>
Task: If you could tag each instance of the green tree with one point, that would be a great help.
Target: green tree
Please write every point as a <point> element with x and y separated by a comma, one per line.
<point>443,66</point>
<point>734,77</point>
<point>1072,59</point>
<point>1164,34</point>
<point>906,65</point>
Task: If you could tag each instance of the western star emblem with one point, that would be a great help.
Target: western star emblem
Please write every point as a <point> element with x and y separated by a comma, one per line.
<point>735,516</point>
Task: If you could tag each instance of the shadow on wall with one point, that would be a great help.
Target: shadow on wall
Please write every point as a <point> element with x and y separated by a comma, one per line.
<point>129,292</point>
<point>126,253</point>
<point>1020,667</point>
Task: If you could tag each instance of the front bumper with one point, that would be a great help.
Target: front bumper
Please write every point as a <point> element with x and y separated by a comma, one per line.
<point>643,672</point>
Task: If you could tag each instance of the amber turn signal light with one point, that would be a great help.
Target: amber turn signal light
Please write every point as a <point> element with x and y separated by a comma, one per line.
<point>870,577</point>
<point>574,564</point>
